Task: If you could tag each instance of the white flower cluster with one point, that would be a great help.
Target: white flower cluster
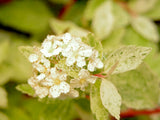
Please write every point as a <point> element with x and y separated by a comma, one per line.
<point>48,80</point>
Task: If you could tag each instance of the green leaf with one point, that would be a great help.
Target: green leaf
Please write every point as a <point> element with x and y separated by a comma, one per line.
<point>3,116</point>
<point>82,106</point>
<point>26,89</point>
<point>3,96</point>
<point>59,110</point>
<point>23,16</point>
<point>136,88</point>
<point>96,104</point>
<point>154,12</point>
<point>121,17</point>
<point>142,6</point>
<point>146,28</point>
<point>110,97</point>
<point>103,21</point>
<point>71,71</point>
<point>4,46</point>
<point>60,27</point>
<point>93,42</point>
<point>91,7</point>
<point>26,50</point>
<point>127,57</point>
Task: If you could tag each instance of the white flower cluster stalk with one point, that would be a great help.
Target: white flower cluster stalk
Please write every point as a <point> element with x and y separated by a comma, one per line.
<point>48,80</point>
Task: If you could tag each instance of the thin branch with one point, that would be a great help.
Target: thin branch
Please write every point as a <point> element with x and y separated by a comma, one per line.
<point>66,8</point>
<point>133,113</point>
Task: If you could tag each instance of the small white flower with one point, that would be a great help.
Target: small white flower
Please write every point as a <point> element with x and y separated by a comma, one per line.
<point>41,91</point>
<point>33,58</point>
<point>85,50</point>
<point>83,80</point>
<point>51,48</point>
<point>66,38</point>
<point>73,93</point>
<point>41,77</point>
<point>56,90</point>
<point>94,62</point>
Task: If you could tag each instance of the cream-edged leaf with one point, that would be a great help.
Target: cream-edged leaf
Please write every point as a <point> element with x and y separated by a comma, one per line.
<point>127,58</point>
<point>146,28</point>
<point>96,104</point>
<point>3,96</point>
<point>139,88</point>
<point>110,97</point>
<point>103,20</point>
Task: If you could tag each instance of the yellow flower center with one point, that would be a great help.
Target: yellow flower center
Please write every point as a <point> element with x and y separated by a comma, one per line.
<point>82,81</point>
<point>57,81</point>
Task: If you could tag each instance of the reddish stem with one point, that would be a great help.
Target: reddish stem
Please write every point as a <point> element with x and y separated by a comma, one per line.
<point>99,75</point>
<point>65,9</point>
<point>133,113</point>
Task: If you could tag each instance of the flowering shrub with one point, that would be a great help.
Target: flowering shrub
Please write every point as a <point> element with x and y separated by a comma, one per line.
<point>100,59</point>
<point>64,65</point>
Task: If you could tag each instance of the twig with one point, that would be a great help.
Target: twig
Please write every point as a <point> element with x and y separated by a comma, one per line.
<point>133,113</point>
<point>65,9</point>
<point>109,72</point>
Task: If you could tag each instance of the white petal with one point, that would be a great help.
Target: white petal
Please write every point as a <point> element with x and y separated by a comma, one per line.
<point>47,45</point>
<point>67,37</point>
<point>50,37</point>
<point>99,63</point>
<point>41,91</point>
<point>66,52</point>
<point>95,53</point>
<point>56,44</point>
<point>83,73</point>
<point>47,82</point>
<point>75,45</point>
<point>55,91</point>
<point>81,61</point>
<point>70,60</point>
<point>41,77</point>
<point>75,83</point>
<point>85,51</point>
<point>74,93</point>
<point>90,67</point>
<point>64,87</point>
<point>33,58</point>
<point>92,79</point>
<point>57,51</point>
<point>63,77</point>
<point>39,67</point>
<point>54,72</point>
<point>32,82</point>
<point>45,53</point>
<point>46,62</point>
